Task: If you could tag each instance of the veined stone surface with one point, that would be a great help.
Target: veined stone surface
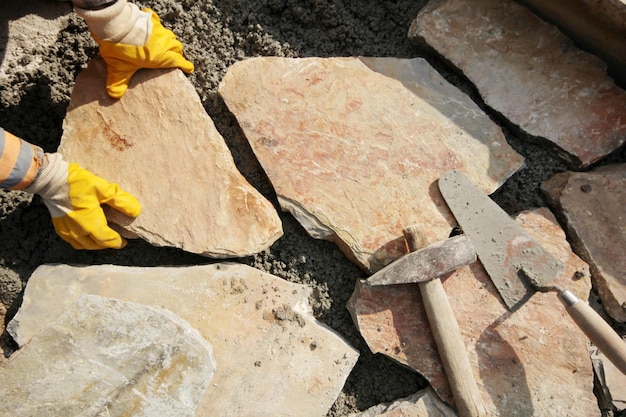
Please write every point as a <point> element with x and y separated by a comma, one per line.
<point>158,143</point>
<point>273,358</point>
<point>592,205</point>
<point>531,362</point>
<point>354,146</point>
<point>531,73</point>
<point>105,357</point>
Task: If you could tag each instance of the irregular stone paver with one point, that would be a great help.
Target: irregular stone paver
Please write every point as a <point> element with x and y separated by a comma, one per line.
<point>353,146</point>
<point>598,26</point>
<point>532,362</point>
<point>273,358</point>
<point>159,144</point>
<point>424,403</point>
<point>108,358</point>
<point>529,72</point>
<point>592,205</point>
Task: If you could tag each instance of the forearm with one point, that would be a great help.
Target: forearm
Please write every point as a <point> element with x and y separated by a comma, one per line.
<point>20,161</point>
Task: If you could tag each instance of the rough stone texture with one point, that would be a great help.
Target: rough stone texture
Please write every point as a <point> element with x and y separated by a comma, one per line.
<point>105,357</point>
<point>532,362</point>
<point>353,146</point>
<point>597,25</point>
<point>159,144</point>
<point>591,205</point>
<point>529,72</point>
<point>424,403</point>
<point>273,358</point>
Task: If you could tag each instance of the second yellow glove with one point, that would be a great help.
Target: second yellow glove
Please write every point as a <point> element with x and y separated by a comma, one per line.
<point>162,50</point>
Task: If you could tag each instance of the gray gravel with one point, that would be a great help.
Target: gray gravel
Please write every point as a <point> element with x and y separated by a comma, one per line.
<point>217,33</point>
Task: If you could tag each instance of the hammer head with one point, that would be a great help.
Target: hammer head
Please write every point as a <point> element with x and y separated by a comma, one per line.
<point>428,263</point>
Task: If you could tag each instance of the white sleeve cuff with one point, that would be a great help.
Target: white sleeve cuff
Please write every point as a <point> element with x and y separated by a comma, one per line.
<point>121,22</point>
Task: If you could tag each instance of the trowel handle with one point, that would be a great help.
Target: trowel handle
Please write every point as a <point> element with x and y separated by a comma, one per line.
<point>596,329</point>
<point>449,340</point>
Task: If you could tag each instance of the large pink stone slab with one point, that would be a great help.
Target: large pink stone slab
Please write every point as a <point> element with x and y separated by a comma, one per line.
<point>354,146</point>
<point>531,73</point>
<point>532,362</point>
<point>159,144</point>
<point>592,206</point>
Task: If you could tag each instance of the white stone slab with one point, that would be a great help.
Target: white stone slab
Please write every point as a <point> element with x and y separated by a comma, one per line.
<point>105,357</point>
<point>273,358</point>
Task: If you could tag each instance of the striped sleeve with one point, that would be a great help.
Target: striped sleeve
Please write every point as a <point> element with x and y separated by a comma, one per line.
<point>19,161</point>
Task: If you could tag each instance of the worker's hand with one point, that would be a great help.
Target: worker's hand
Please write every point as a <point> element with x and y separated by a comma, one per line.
<point>131,40</point>
<point>73,196</point>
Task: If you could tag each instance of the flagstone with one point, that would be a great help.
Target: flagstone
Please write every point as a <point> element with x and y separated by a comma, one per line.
<point>598,26</point>
<point>108,357</point>
<point>158,143</point>
<point>529,362</point>
<point>273,358</point>
<point>591,205</point>
<point>532,74</point>
<point>353,146</point>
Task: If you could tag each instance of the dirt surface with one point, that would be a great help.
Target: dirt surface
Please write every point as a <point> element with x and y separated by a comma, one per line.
<point>216,33</point>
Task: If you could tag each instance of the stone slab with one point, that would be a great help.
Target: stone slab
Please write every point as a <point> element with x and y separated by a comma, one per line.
<point>159,144</point>
<point>599,26</point>
<point>529,72</point>
<point>531,362</point>
<point>273,358</point>
<point>105,357</point>
<point>592,206</point>
<point>354,146</point>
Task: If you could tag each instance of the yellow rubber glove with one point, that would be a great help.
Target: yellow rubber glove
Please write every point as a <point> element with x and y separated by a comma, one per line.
<point>73,196</point>
<point>162,50</point>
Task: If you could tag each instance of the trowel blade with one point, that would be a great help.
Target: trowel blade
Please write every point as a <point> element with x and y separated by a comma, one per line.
<point>516,263</point>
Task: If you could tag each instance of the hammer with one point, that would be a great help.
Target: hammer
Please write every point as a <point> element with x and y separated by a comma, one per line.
<point>424,266</point>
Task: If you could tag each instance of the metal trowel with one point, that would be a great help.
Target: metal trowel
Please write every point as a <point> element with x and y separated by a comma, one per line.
<point>517,264</point>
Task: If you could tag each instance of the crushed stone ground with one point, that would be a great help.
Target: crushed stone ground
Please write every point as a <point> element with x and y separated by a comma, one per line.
<point>34,95</point>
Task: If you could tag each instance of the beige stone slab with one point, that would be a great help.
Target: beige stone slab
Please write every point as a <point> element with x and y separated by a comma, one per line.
<point>105,357</point>
<point>532,362</point>
<point>593,208</point>
<point>532,74</point>
<point>273,358</point>
<point>159,144</point>
<point>354,146</point>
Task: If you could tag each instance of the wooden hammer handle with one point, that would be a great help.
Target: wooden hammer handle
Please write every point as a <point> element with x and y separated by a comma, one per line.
<point>448,338</point>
